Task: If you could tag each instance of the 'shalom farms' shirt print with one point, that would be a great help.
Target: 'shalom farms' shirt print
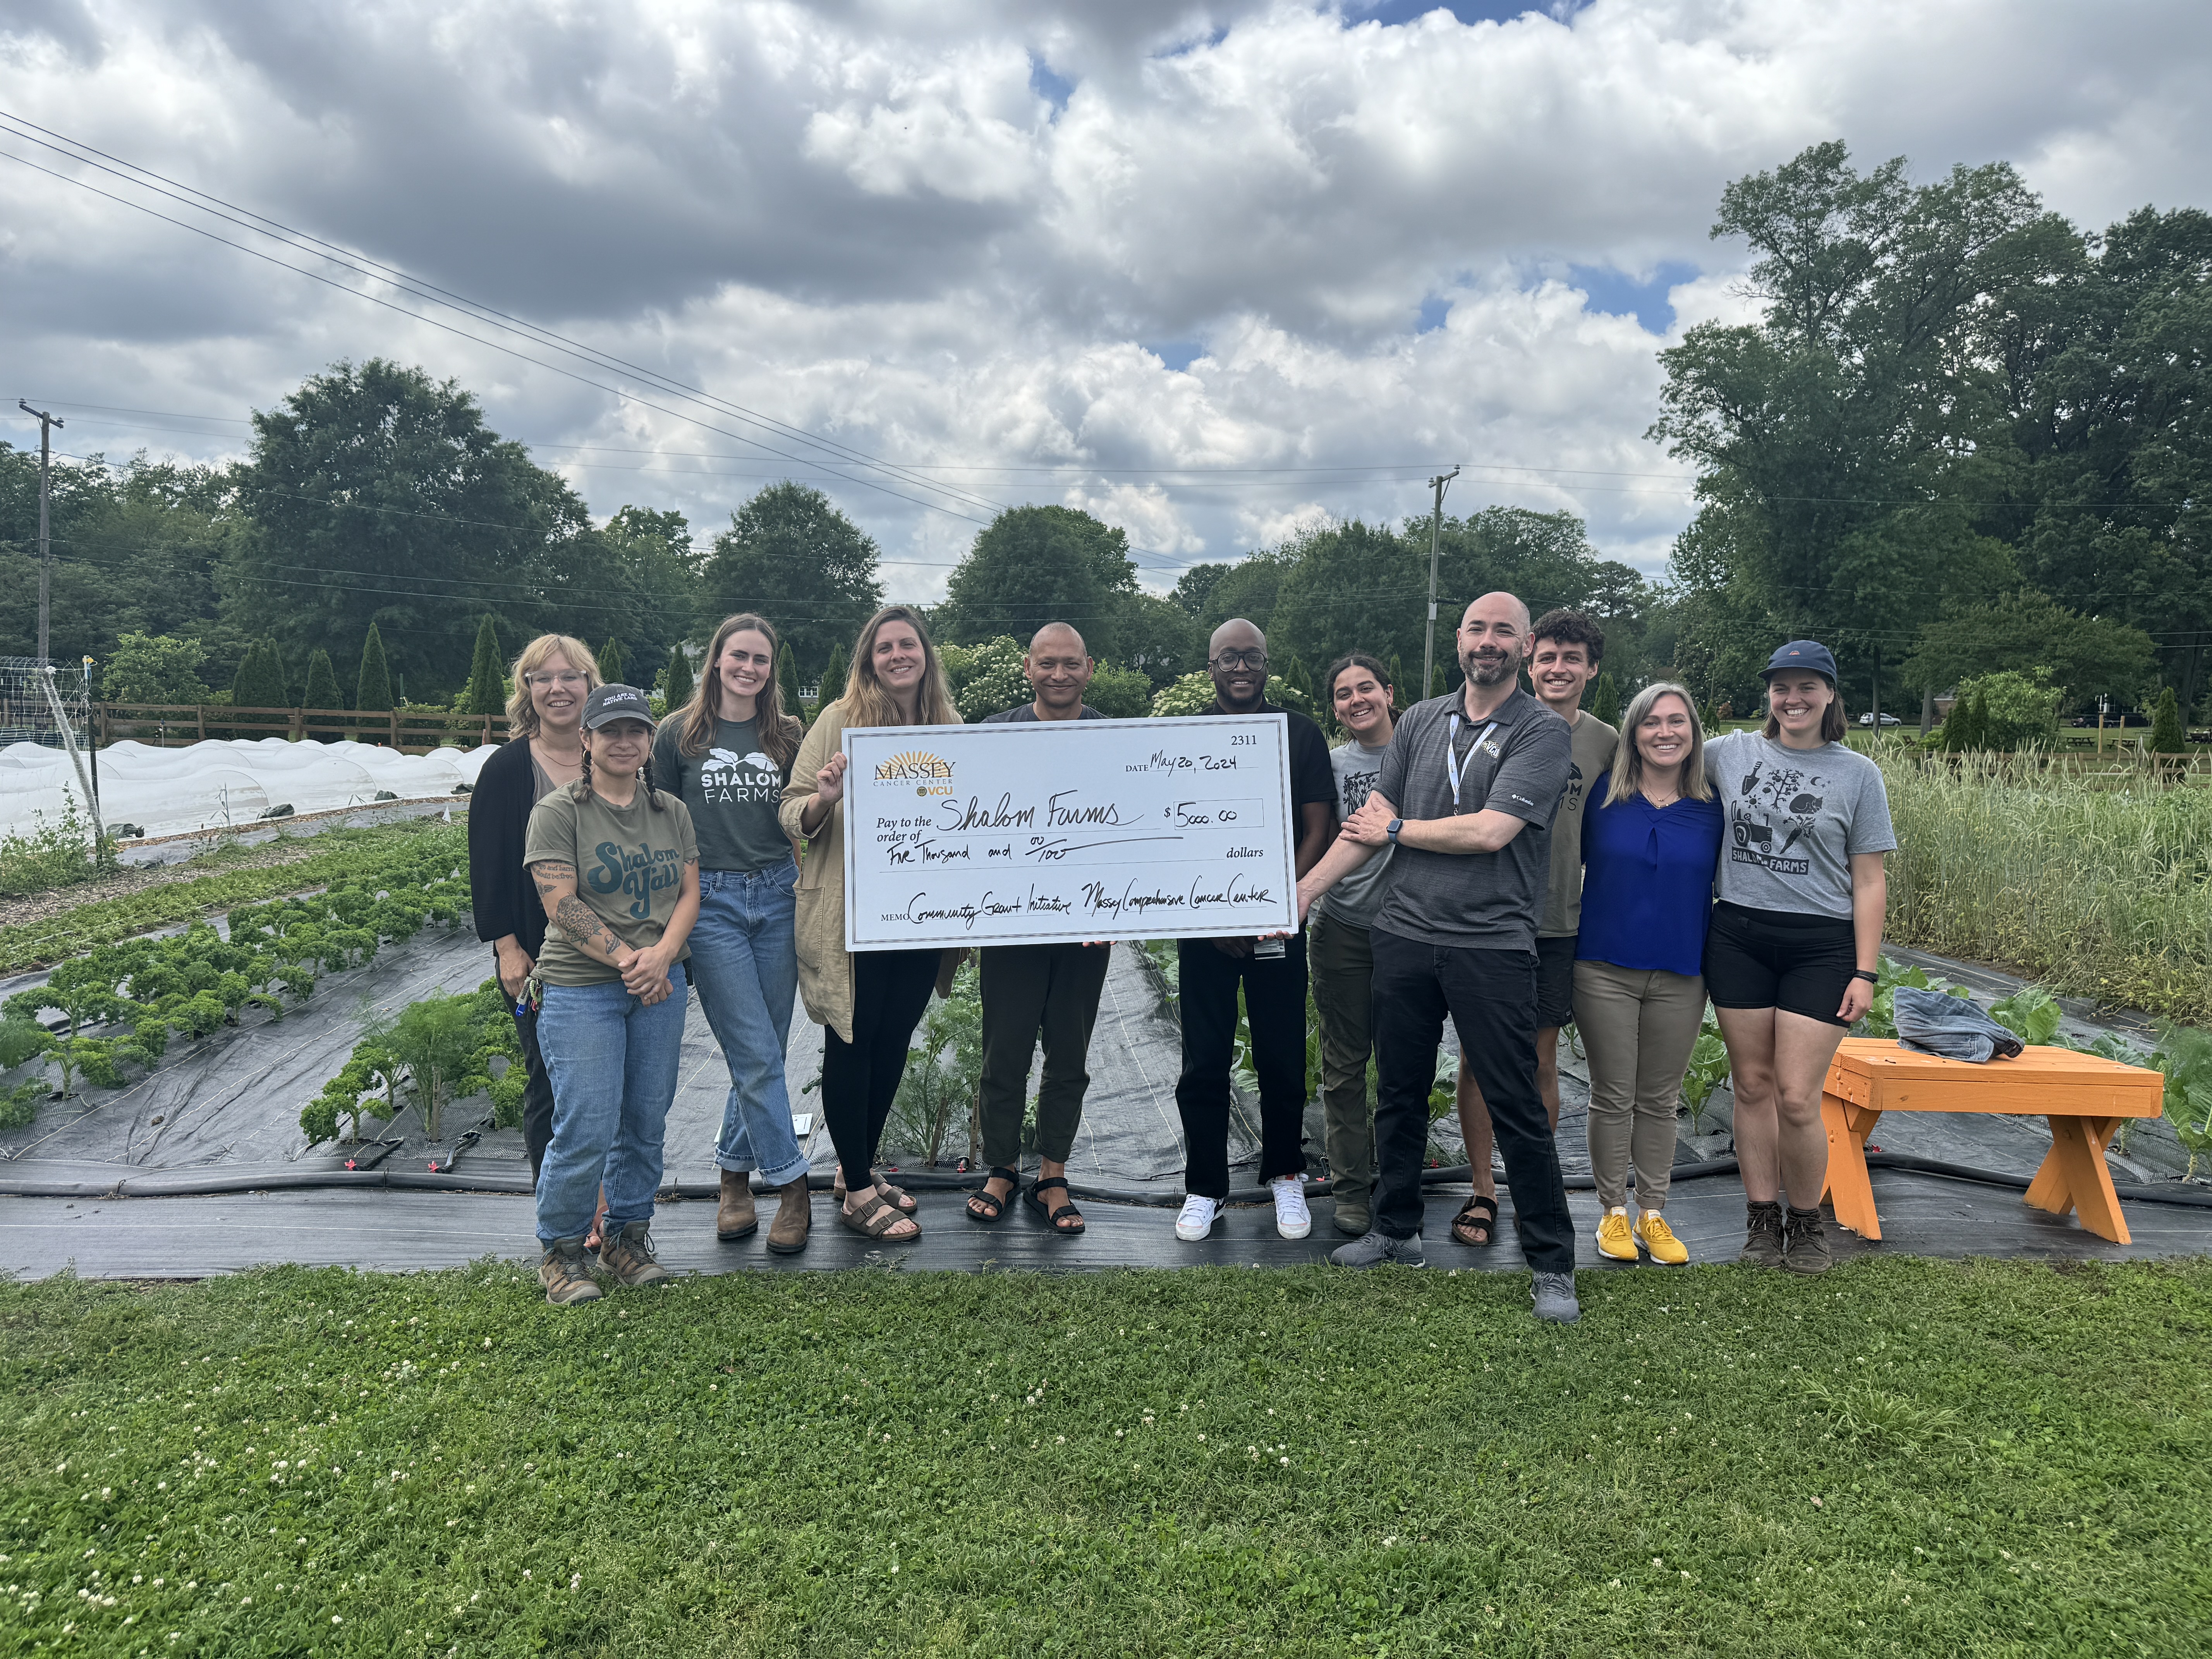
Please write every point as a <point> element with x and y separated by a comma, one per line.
<point>727,779</point>
<point>1775,807</point>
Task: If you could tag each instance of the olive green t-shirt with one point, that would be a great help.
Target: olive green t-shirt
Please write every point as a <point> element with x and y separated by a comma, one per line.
<point>1590,749</point>
<point>629,869</point>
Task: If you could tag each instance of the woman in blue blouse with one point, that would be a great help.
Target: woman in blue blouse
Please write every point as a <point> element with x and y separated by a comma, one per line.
<point>1651,839</point>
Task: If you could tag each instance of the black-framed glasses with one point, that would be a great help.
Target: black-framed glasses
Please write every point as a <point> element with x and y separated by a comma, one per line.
<point>1240,659</point>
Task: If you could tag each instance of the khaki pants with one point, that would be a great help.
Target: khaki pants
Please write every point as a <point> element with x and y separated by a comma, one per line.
<point>1342,962</point>
<point>1637,1028</point>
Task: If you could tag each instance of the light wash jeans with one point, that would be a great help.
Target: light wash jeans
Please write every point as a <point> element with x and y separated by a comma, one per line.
<point>747,971</point>
<point>613,1062</point>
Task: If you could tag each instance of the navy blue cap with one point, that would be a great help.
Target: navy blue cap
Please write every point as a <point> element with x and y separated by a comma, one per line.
<point>1801,654</point>
<point>617,703</point>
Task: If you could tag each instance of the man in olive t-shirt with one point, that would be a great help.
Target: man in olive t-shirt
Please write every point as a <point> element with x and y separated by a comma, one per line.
<point>1566,648</point>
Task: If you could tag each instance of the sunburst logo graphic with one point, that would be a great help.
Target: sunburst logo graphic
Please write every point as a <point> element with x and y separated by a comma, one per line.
<point>913,765</point>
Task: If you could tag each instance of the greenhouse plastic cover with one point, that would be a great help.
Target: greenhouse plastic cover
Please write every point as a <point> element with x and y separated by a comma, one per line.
<point>223,782</point>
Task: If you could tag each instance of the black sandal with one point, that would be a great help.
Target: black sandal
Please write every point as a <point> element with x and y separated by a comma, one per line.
<point>1057,1217</point>
<point>985,1196</point>
<point>1478,1214</point>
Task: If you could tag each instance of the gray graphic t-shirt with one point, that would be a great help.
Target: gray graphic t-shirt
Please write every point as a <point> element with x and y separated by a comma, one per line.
<point>1355,900</point>
<point>1795,817</point>
<point>732,790</point>
<point>1589,753</point>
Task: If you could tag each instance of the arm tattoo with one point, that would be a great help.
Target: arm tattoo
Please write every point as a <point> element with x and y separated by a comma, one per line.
<point>552,876</point>
<point>581,924</point>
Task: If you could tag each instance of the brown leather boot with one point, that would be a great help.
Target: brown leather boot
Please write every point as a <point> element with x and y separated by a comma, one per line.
<point>739,1216</point>
<point>794,1218</point>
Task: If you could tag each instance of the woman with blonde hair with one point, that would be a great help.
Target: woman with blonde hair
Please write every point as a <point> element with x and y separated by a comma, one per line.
<point>868,1003</point>
<point>544,749</point>
<point>726,755</point>
<point>1652,834</point>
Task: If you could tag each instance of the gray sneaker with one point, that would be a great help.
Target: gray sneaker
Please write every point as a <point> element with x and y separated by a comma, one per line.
<point>1554,1297</point>
<point>1379,1249</point>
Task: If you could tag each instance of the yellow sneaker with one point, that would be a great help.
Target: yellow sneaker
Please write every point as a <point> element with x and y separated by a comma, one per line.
<point>1614,1238</point>
<point>1653,1233</point>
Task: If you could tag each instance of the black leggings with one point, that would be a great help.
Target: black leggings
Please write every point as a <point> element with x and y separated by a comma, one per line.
<point>861,1077</point>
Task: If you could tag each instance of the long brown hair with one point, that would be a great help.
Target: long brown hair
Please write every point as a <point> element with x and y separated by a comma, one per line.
<point>779,731</point>
<point>867,703</point>
<point>1834,727</point>
<point>521,712</point>
<point>1626,775</point>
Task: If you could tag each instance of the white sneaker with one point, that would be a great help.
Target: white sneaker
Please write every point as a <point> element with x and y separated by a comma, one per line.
<point>1196,1221</point>
<point>1293,1218</point>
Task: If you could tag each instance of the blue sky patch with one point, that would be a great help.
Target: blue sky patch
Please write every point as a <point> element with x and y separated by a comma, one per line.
<point>1054,89</point>
<point>1387,12</point>
<point>1434,310</point>
<point>1177,355</point>
<point>1620,296</point>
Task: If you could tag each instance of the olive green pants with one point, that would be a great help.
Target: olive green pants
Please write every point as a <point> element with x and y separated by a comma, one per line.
<point>1342,965</point>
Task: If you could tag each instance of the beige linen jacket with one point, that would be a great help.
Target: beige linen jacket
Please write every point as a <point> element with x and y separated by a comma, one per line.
<point>825,968</point>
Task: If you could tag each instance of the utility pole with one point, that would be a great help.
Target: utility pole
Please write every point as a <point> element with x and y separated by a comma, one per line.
<point>1436,530</point>
<point>46,556</point>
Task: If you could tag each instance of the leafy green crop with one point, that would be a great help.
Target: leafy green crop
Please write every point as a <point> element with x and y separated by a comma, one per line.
<point>438,1050</point>
<point>2030,1013</point>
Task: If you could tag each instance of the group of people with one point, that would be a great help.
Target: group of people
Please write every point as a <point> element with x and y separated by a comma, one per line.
<point>1496,855</point>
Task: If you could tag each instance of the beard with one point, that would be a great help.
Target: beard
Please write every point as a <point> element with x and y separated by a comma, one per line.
<point>1488,671</point>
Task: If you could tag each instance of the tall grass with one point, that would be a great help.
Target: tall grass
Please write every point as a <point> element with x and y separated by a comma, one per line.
<point>2095,891</point>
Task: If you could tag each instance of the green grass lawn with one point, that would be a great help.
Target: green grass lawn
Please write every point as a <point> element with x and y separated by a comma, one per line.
<point>1907,1457</point>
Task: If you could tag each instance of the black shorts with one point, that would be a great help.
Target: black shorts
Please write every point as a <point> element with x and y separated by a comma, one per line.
<point>1555,982</point>
<point>1775,959</point>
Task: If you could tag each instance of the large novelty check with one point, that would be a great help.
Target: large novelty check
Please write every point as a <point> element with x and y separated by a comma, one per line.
<point>1068,829</point>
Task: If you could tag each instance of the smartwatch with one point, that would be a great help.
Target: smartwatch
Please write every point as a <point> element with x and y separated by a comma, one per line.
<point>1868,975</point>
<point>1395,825</point>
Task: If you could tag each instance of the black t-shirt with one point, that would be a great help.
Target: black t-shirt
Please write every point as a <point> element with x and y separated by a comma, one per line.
<point>1312,778</point>
<point>1027,711</point>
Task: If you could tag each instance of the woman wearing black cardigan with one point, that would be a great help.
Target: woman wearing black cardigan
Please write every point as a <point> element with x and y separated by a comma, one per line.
<point>545,714</point>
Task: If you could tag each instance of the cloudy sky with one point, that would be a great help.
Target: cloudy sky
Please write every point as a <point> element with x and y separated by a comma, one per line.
<point>1211,270</point>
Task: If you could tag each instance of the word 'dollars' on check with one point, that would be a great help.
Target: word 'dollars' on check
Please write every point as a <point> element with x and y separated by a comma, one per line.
<point>1089,829</point>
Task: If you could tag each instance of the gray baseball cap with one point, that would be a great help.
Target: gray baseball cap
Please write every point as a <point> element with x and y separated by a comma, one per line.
<point>617,703</point>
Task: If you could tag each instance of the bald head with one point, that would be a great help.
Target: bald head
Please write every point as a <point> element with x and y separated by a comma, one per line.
<point>1059,669</point>
<point>1236,659</point>
<point>1493,639</point>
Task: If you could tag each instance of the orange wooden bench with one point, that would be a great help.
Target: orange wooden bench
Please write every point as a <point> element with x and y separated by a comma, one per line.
<point>2084,1097</point>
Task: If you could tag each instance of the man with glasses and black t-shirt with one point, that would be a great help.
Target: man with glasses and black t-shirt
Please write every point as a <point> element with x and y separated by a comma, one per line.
<point>1467,796</point>
<point>1273,973</point>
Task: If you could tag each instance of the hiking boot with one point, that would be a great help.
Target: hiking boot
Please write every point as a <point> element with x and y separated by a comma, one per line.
<point>1554,1297</point>
<point>1762,1242</point>
<point>628,1254</point>
<point>565,1272</point>
<point>1804,1246</point>
<point>1374,1250</point>
<point>739,1216</point>
<point>794,1218</point>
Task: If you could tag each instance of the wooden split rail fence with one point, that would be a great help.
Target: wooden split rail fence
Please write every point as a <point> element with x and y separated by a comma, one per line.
<point>410,731</point>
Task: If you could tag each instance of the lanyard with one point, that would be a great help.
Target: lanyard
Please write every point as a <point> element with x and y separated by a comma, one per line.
<point>1455,768</point>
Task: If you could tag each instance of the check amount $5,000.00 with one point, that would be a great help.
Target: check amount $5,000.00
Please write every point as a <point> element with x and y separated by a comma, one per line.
<point>1183,839</point>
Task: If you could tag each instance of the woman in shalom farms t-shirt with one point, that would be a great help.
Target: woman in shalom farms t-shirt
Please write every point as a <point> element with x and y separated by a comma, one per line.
<point>1796,939</point>
<point>618,869</point>
<point>728,753</point>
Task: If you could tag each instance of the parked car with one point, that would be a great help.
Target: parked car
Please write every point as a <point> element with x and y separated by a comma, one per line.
<point>1887,719</point>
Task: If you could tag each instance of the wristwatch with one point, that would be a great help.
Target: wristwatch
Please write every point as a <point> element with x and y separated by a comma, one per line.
<point>1396,825</point>
<point>1868,975</point>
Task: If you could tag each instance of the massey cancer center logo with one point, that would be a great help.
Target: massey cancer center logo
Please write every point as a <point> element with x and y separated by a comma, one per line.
<point>928,775</point>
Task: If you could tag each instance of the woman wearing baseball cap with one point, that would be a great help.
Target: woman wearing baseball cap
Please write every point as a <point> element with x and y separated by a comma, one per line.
<point>1791,954</point>
<point>617,867</point>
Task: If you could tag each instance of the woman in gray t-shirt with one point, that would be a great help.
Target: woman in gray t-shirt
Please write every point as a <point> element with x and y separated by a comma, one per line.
<point>727,753</point>
<point>1791,954</point>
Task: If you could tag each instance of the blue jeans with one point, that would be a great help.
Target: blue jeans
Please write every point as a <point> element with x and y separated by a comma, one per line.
<point>613,1062</point>
<point>747,971</point>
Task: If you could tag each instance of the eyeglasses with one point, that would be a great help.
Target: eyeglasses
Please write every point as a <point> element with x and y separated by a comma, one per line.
<point>1240,659</point>
<point>567,677</point>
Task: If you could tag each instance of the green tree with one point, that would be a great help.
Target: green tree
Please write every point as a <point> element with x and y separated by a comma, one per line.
<point>1032,565</point>
<point>486,692</point>
<point>2166,737</point>
<point>2011,711</point>
<point>1193,589</point>
<point>1251,588</point>
<point>378,473</point>
<point>834,673</point>
<point>2087,657</point>
<point>1120,694</point>
<point>372,689</point>
<point>676,684</point>
<point>1605,700</point>
<point>792,556</point>
<point>787,677</point>
<point>154,669</point>
<point>1397,684</point>
<point>259,682</point>
<point>1156,637</point>
<point>611,662</point>
<point>1191,695</point>
<point>1298,678</point>
<point>322,688</point>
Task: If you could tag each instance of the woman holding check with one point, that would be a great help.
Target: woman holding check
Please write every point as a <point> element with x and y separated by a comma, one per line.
<point>617,867</point>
